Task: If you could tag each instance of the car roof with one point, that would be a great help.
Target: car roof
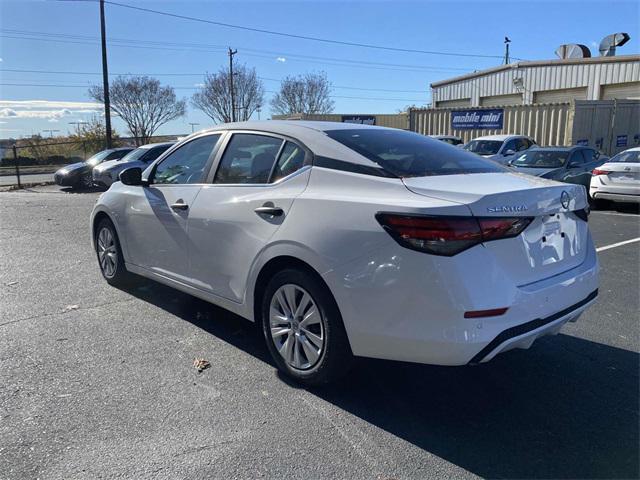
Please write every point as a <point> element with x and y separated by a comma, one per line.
<point>559,148</point>
<point>161,144</point>
<point>444,136</point>
<point>499,137</point>
<point>632,149</point>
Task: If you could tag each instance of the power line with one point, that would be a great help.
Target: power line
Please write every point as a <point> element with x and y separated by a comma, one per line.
<point>147,44</point>
<point>16,70</point>
<point>301,37</point>
<point>196,88</point>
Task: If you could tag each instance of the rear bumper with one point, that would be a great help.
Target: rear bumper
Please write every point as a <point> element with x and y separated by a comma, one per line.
<point>403,305</point>
<point>522,336</point>
<point>616,197</point>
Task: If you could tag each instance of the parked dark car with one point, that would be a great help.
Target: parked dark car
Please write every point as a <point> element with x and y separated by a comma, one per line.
<point>78,175</point>
<point>564,164</point>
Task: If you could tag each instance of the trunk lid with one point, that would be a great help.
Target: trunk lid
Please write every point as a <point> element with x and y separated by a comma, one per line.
<point>554,242</point>
<point>622,174</point>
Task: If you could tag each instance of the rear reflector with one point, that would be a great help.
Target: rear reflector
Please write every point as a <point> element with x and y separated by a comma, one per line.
<point>485,313</point>
<point>597,171</point>
<point>448,236</point>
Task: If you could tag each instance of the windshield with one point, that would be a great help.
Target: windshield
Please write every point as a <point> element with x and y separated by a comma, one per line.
<point>541,159</point>
<point>408,154</point>
<point>97,158</point>
<point>484,147</point>
<point>632,156</point>
<point>134,155</point>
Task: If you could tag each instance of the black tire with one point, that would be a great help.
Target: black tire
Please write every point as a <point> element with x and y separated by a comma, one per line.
<point>118,276</point>
<point>336,357</point>
<point>599,204</point>
<point>85,182</point>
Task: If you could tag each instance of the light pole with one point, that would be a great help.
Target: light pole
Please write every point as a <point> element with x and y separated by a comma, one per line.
<point>50,132</point>
<point>78,124</point>
<point>193,125</point>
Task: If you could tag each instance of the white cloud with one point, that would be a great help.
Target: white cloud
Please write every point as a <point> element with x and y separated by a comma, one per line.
<point>199,85</point>
<point>53,120</point>
<point>18,110</point>
<point>8,112</point>
<point>281,59</point>
<point>48,104</point>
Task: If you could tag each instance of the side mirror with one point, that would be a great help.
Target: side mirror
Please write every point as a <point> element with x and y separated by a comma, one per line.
<point>509,152</point>
<point>573,164</point>
<point>131,176</point>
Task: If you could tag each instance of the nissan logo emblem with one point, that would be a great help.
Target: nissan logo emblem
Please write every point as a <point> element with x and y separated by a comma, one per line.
<point>565,199</point>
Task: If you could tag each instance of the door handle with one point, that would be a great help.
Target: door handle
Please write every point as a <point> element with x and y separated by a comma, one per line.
<point>179,206</point>
<point>265,210</point>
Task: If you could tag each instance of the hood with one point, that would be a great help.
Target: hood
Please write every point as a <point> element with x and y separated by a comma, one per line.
<point>538,172</point>
<point>74,167</point>
<point>490,194</point>
<point>106,165</point>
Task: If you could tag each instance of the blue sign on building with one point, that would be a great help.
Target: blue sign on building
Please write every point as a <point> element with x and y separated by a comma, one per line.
<point>477,119</point>
<point>621,141</point>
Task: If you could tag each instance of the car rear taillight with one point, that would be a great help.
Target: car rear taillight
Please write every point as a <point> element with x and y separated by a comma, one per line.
<point>597,171</point>
<point>448,236</point>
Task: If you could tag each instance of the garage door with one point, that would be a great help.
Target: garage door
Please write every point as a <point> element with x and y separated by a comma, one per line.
<point>560,96</point>
<point>462,102</point>
<point>621,90</point>
<point>500,100</point>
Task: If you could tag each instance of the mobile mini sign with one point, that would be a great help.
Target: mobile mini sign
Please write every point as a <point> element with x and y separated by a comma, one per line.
<point>477,119</point>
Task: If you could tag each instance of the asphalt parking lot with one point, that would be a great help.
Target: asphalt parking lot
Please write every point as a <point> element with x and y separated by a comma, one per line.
<point>97,382</point>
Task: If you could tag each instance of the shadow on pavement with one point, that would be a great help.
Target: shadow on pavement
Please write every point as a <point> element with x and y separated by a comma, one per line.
<point>567,408</point>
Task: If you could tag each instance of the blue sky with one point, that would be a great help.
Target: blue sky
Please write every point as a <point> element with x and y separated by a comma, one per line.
<point>62,36</point>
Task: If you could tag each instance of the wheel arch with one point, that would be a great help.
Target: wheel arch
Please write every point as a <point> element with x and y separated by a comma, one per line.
<point>270,268</point>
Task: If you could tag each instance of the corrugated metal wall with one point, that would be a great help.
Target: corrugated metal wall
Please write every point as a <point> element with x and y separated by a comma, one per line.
<point>537,77</point>
<point>547,124</point>
<point>600,123</point>
<point>392,120</point>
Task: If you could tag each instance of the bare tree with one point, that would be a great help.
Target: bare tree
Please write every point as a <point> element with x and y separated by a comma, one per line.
<point>214,98</point>
<point>142,103</point>
<point>306,94</point>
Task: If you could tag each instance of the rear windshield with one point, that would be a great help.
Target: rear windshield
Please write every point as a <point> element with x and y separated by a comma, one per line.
<point>541,159</point>
<point>408,154</point>
<point>484,147</point>
<point>631,156</point>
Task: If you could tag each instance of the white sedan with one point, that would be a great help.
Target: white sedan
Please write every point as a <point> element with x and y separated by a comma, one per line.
<point>343,240</point>
<point>618,180</point>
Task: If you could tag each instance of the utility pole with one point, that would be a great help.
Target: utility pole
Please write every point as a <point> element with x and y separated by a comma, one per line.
<point>105,77</point>
<point>231,90</point>
<point>51,132</point>
<point>507,60</point>
<point>193,125</point>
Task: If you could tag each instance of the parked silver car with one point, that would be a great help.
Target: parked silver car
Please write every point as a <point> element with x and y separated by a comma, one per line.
<point>107,173</point>
<point>499,148</point>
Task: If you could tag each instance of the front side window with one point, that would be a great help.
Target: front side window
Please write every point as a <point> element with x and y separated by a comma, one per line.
<point>248,158</point>
<point>589,155</point>
<point>521,144</point>
<point>187,163</point>
<point>408,154</point>
<point>154,153</point>
<point>291,159</point>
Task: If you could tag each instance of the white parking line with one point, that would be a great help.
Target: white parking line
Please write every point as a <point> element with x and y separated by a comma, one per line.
<point>619,244</point>
<point>616,213</point>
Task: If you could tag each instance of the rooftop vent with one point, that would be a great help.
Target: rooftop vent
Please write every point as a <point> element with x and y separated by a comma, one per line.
<point>610,42</point>
<point>573,50</point>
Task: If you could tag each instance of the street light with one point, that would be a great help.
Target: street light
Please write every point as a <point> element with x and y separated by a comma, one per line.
<point>193,125</point>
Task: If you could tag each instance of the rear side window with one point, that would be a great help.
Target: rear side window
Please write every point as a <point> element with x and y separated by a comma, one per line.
<point>187,163</point>
<point>248,158</point>
<point>117,154</point>
<point>408,154</point>
<point>291,159</point>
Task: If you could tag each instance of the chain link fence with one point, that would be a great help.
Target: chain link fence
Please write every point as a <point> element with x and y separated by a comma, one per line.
<point>25,157</point>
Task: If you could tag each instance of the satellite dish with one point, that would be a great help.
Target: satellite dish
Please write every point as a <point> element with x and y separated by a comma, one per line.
<point>610,42</point>
<point>573,50</point>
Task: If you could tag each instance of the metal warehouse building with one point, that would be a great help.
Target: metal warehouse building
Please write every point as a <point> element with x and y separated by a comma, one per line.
<point>541,82</point>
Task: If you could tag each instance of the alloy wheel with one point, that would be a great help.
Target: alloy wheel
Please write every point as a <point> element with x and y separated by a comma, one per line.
<point>107,252</point>
<point>296,327</point>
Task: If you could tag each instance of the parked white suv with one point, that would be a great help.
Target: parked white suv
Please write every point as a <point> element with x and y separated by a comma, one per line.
<point>342,239</point>
<point>499,148</point>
